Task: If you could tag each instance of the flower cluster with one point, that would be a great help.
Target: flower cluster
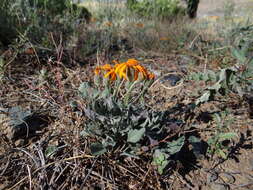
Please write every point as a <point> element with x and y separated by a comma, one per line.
<point>139,25</point>
<point>129,70</point>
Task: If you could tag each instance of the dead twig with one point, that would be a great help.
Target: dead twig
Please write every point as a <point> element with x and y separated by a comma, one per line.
<point>49,164</point>
<point>29,176</point>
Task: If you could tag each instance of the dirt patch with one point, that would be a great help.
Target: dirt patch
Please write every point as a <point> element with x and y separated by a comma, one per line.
<point>217,8</point>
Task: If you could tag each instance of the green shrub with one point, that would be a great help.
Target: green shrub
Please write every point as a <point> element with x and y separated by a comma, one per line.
<point>52,6</point>
<point>35,19</point>
<point>157,8</point>
<point>8,22</point>
<point>59,7</point>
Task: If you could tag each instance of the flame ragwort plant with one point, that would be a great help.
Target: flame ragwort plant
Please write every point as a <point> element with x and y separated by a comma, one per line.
<point>118,119</point>
<point>116,116</point>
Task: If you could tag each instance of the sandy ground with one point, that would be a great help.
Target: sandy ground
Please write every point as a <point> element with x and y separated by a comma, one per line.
<point>218,7</point>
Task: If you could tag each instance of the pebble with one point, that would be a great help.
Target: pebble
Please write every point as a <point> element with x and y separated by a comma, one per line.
<point>219,186</point>
<point>172,79</point>
<point>251,163</point>
<point>227,178</point>
<point>211,177</point>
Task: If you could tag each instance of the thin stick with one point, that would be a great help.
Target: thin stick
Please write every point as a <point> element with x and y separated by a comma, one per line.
<point>86,177</point>
<point>30,177</point>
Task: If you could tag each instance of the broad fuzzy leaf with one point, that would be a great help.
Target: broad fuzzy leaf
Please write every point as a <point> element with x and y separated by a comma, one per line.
<point>18,116</point>
<point>198,146</point>
<point>175,146</point>
<point>97,149</point>
<point>204,98</point>
<point>240,55</point>
<point>160,160</point>
<point>135,135</point>
<point>50,150</point>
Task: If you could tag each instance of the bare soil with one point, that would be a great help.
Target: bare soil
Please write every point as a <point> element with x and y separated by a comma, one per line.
<point>217,8</point>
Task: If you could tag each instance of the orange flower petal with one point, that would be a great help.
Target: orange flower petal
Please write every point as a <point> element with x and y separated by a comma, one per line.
<point>140,25</point>
<point>106,75</point>
<point>115,62</point>
<point>106,67</point>
<point>132,62</point>
<point>141,70</point>
<point>124,75</point>
<point>122,71</point>
<point>111,74</point>
<point>118,67</point>
<point>97,71</point>
<point>136,74</point>
<point>151,76</point>
<point>164,39</point>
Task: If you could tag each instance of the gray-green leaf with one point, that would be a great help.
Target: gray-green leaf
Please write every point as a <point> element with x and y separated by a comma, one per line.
<point>175,146</point>
<point>227,136</point>
<point>97,149</point>
<point>84,89</point>
<point>239,55</point>
<point>50,150</point>
<point>135,135</point>
<point>204,98</point>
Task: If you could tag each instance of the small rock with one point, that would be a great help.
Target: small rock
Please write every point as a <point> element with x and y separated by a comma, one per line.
<point>251,163</point>
<point>16,123</point>
<point>219,186</point>
<point>172,79</point>
<point>227,178</point>
<point>19,142</point>
<point>157,73</point>
<point>211,177</point>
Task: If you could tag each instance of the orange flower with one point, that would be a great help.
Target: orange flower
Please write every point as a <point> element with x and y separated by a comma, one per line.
<point>109,24</point>
<point>110,71</point>
<point>164,39</point>
<point>132,62</point>
<point>142,70</point>
<point>214,17</point>
<point>128,70</point>
<point>140,25</point>
<point>105,67</point>
<point>93,19</point>
<point>124,69</point>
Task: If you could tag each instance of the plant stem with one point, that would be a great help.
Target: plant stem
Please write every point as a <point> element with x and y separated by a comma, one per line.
<point>141,93</point>
<point>127,95</point>
<point>115,93</point>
